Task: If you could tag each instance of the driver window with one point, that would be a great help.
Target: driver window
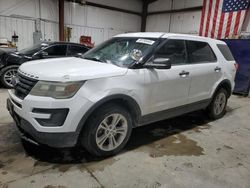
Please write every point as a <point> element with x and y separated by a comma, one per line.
<point>174,50</point>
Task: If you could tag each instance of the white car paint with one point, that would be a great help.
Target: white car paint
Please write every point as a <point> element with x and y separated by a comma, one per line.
<point>153,89</point>
<point>70,69</point>
<point>144,35</point>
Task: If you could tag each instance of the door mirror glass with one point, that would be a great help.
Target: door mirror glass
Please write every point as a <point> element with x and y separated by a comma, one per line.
<point>136,55</point>
<point>159,63</point>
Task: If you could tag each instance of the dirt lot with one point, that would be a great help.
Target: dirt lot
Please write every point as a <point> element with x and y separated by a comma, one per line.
<point>188,151</point>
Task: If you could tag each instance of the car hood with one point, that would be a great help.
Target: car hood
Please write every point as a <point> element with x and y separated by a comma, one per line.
<point>13,58</point>
<point>69,69</point>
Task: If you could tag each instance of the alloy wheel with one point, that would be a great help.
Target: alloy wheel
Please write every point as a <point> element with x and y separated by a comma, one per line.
<point>219,103</point>
<point>111,132</point>
<point>9,75</point>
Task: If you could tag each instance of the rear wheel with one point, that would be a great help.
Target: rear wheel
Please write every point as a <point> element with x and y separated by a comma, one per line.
<point>7,75</point>
<point>107,130</point>
<point>217,107</point>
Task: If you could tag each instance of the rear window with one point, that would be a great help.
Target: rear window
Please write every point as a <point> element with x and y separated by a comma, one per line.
<point>200,52</point>
<point>226,52</point>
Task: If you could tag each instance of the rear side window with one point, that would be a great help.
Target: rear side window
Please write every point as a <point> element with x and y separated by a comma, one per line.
<point>56,50</point>
<point>226,52</point>
<point>74,50</point>
<point>200,52</point>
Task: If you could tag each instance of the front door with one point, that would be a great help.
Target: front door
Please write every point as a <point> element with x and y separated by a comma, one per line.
<point>168,88</point>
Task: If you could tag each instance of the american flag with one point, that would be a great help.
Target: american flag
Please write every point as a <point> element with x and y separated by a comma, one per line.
<point>222,18</point>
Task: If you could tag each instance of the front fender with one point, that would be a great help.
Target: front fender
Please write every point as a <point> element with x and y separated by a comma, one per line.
<point>131,101</point>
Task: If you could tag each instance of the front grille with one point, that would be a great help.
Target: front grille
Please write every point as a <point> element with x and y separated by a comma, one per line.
<point>24,86</point>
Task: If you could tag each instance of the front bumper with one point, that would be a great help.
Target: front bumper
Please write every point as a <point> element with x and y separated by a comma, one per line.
<point>28,133</point>
<point>25,118</point>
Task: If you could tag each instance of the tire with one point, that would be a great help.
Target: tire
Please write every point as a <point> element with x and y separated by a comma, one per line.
<point>6,74</point>
<point>217,107</point>
<point>95,131</point>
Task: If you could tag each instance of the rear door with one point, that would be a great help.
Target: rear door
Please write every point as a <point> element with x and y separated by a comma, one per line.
<point>205,70</point>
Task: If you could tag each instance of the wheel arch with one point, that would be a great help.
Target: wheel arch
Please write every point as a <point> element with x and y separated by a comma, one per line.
<point>7,66</point>
<point>226,84</point>
<point>124,100</point>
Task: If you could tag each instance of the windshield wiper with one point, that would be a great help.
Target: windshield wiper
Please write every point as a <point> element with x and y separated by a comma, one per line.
<point>93,59</point>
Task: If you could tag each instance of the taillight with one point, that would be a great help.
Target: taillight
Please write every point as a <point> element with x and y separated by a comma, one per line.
<point>236,65</point>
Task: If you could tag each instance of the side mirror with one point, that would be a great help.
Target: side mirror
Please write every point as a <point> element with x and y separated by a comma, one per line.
<point>159,63</point>
<point>43,54</point>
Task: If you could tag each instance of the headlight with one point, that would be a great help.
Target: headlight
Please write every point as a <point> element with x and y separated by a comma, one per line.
<point>57,90</point>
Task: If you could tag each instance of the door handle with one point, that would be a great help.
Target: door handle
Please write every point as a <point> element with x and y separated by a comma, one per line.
<point>184,73</point>
<point>217,69</point>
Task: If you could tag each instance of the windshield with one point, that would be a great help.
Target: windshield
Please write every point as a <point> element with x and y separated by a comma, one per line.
<point>33,49</point>
<point>117,51</point>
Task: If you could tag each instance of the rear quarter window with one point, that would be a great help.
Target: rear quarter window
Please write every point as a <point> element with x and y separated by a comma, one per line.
<point>226,52</point>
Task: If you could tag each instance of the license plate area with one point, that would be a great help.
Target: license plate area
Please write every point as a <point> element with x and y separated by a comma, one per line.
<point>10,108</point>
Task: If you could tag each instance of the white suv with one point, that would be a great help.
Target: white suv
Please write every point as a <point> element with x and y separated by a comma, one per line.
<point>128,81</point>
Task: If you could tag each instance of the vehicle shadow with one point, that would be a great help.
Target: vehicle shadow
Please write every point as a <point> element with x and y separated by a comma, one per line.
<point>141,136</point>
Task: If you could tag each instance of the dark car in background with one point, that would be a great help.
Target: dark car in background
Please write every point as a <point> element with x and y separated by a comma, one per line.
<point>9,62</point>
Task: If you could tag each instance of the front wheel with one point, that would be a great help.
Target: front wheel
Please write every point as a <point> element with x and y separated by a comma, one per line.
<point>7,75</point>
<point>217,107</point>
<point>107,130</point>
